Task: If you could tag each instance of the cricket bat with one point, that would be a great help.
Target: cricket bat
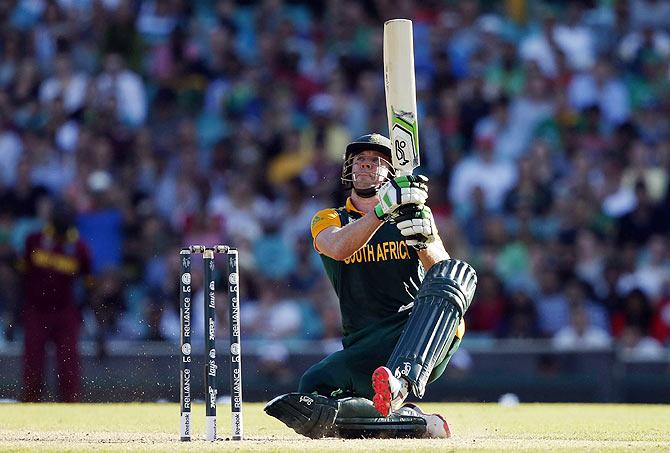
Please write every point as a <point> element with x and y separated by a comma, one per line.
<point>400,90</point>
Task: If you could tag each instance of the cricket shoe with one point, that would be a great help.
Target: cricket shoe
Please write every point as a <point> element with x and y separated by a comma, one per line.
<point>390,392</point>
<point>307,414</point>
<point>436,426</point>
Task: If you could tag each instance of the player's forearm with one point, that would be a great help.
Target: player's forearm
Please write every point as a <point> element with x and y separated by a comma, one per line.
<point>341,243</point>
<point>434,253</point>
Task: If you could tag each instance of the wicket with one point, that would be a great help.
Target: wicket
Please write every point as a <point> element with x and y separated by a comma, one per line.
<point>185,397</point>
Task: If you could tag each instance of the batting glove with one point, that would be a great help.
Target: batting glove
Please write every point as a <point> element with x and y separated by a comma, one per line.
<point>399,191</point>
<point>417,224</point>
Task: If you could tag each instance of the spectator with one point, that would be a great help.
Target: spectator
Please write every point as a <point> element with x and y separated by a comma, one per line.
<point>474,216</point>
<point>299,209</point>
<point>276,316</point>
<point>495,177</point>
<point>65,83</point>
<point>601,87</point>
<point>636,313</point>
<point>640,43</point>
<point>653,272</point>
<point>498,128</point>
<point>643,221</point>
<point>581,333</point>
<point>650,13</point>
<point>123,89</point>
<point>552,307</point>
<point>529,193</point>
<point>609,292</point>
<point>156,20</point>
<point>575,39</point>
<point>22,198</point>
<point>248,206</point>
<point>102,223</point>
<point>579,293</point>
<point>272,252</point>
<point>589,266</point>
<point>637,345</point>
<point>305,277</point>
<point>642,168</point>
<point>540,46</point>
<point>570,38</point>
<point>487,317</point>
<point>520,320</point>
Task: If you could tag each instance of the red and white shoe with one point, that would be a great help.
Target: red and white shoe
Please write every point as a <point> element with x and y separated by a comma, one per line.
<point>390,392</point>
<point>436,426</point>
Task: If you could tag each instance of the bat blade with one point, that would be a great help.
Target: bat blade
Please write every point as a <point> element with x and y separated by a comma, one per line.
<point>400,87</point>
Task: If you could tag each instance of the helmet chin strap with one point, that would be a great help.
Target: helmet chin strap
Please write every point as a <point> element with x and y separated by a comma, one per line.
<point>366,193</point>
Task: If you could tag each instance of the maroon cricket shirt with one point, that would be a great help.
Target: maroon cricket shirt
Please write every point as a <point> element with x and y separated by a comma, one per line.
<point>51,267</point>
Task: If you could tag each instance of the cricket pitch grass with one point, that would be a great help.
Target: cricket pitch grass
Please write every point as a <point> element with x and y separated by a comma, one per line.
<point>475,427</point>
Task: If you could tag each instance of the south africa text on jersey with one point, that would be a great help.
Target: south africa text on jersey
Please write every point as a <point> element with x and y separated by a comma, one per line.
<point>383,251</point>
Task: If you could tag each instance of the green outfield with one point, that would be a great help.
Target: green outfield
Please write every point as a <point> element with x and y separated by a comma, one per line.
<point>476,427</point>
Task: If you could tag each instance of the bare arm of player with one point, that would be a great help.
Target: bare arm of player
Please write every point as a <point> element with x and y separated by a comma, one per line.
<point>340,243</point>
<point>434,253</point>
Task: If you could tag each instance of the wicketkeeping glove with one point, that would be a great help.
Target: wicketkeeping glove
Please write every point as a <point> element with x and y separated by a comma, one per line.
<point>417,224</point>
<point>400,191</point>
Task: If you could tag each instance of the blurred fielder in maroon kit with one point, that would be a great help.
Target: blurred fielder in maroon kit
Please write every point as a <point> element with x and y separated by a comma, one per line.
<point>53,260</point>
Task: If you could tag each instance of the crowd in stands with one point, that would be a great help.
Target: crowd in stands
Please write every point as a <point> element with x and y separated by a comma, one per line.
<point>544,130</point>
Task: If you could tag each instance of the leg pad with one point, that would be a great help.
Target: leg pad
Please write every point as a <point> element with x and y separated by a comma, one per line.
<point>381,427</point>
<point>444,296</point>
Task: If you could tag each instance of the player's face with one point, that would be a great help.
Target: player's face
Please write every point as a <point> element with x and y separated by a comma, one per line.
<point>370,169</point>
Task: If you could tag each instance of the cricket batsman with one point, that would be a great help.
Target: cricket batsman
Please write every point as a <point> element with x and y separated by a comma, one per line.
<point>402,300</point>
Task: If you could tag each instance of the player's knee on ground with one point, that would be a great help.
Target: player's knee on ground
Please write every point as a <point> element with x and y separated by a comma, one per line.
<point>444,297</point>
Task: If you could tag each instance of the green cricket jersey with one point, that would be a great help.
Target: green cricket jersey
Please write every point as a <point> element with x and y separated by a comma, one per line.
<point>379,280</point>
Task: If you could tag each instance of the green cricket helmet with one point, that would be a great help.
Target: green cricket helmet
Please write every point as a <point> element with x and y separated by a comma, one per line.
<point>368,142</point>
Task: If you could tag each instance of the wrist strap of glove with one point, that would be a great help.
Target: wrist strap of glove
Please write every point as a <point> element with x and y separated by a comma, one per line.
<point>420,246</point>
<point>381,215</point>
